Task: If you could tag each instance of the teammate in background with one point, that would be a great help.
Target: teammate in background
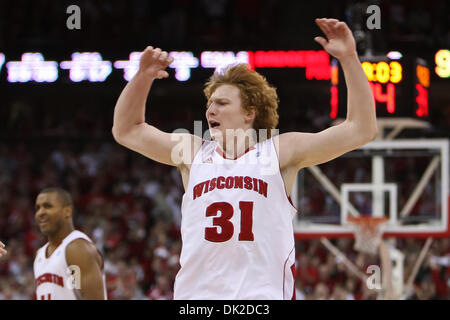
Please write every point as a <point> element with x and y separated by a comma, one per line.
<point>237,234</point>
<point>2,250</point>
<point>68,266</point>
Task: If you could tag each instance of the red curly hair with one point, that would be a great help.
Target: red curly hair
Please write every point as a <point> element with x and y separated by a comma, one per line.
<point>254,91</point>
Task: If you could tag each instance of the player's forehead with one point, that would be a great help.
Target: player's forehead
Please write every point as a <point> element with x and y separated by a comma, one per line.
<point>47,197</point>
<point>226,91</point>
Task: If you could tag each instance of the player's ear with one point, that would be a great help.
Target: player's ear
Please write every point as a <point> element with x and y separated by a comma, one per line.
<point>250,113</point>
<point>68,210</point>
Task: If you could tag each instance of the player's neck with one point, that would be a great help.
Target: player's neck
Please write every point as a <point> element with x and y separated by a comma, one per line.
<point>56,239</point>
<point>236,147</point>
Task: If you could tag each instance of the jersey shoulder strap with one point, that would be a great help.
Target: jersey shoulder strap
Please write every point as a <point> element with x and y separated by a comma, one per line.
<point>75,235</point>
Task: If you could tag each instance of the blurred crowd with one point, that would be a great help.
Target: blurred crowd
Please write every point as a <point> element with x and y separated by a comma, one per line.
<point>215,24</point>
<point>322,276</point>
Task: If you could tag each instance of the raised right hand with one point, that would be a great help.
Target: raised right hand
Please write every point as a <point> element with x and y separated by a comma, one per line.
<point>153,63</point>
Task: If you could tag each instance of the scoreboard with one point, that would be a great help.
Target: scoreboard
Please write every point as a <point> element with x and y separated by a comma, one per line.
<point>399,87</point>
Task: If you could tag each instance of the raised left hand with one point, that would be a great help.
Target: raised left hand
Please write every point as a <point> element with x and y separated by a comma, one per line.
<point>340,42</point>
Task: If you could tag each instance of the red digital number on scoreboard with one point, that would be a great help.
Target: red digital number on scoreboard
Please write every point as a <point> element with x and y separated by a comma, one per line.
<point>423,79</point>
<point>387,97</point>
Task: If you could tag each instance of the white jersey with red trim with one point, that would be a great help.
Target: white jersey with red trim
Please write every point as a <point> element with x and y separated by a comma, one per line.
<point>53,279</point>
<point>236,228</point>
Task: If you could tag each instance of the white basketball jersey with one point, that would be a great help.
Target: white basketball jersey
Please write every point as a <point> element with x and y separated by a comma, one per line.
<point>236,228</point>
<point>52,276</point>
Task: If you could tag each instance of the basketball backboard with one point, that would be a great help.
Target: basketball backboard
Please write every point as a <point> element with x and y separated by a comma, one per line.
<point>405,181</point>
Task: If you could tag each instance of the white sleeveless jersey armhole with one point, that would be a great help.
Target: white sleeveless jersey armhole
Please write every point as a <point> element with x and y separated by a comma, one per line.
<point>52,275</point>
<point>236,228</point>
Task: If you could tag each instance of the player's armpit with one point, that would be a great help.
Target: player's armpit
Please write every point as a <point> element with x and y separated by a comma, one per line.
<point>84,255</point>
<point>302,150</point>
<point>175,149</point>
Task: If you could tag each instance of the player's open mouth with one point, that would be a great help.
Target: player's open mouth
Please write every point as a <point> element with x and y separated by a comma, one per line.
<point>214,124</point>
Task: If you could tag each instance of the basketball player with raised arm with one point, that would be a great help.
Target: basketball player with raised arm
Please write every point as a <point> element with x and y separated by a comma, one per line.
<point>237,233</point>
<point>68,266</point>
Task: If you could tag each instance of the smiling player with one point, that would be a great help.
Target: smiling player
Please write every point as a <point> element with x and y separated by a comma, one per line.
<point>68,266</point>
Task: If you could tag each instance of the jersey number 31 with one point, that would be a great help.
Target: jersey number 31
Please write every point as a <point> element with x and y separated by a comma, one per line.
<point>226,226</point>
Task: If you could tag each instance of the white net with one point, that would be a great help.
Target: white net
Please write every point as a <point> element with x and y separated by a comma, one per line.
<point>368,233</point>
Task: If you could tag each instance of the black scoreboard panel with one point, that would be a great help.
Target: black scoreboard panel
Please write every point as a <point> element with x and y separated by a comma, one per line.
<point>400,87</point>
